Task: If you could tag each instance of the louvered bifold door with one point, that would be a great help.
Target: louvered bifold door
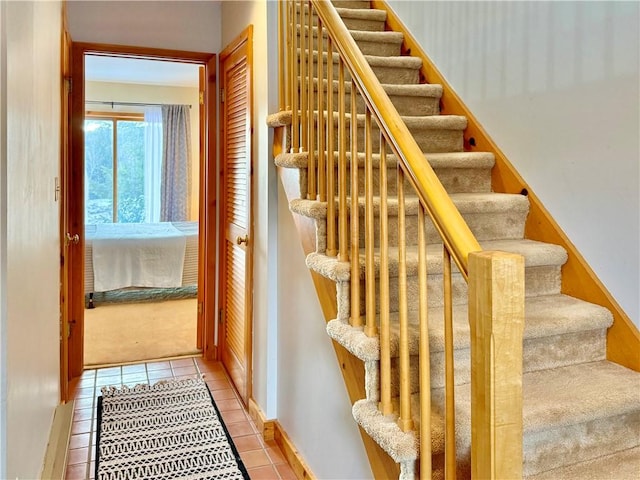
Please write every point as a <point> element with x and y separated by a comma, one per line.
<point>235,323</point>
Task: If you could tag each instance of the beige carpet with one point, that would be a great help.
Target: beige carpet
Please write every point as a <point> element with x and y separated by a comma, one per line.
<point>122,333</point>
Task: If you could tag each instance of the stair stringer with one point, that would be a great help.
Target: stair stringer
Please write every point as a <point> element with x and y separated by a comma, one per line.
<point>352,368</point>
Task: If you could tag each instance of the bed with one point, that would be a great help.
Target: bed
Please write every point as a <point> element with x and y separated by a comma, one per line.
<point>108,244</point>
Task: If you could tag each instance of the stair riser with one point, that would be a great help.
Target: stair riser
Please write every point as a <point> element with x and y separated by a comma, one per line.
<point>429,139</point>
<point>381,48</point>
<point>398,75</point>
<point>454,180</point>
<point>503,225</point>
<point>538,354</point>
<point>405,105</point>
<point>365,24</point>
<point>364,4</point>
<point>550,448</point>
<point>543,280</point>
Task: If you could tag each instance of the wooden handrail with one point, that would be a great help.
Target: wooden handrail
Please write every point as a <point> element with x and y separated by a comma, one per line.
<point>448,221</point>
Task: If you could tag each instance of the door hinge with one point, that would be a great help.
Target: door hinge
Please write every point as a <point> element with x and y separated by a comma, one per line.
<point>201,98</point>
<point>200,308</point>
<point>70,325</point>
<point>69,83</point>
<point>221,316</point>
<point>223,95</point>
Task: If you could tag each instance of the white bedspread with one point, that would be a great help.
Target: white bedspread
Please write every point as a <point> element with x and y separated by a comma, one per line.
<point>137,255</point>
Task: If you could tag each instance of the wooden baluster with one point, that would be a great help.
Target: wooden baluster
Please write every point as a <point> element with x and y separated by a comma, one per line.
<point>385,334</point>
<point>450,402</point>
<point>281,46</point>
<point>303,87</point>
<point>356,321</point>
<point>295,60</point>
<point>343,227</point>
<point>496,318</point>
<point>322,132</point>
<point>331,159</point>
<point>424,359</point>
<point>371,328</point>
<point>308,135</point>
<point>404,421</point>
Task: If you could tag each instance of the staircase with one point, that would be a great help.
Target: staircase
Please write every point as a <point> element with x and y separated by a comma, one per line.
<point>580,412</point>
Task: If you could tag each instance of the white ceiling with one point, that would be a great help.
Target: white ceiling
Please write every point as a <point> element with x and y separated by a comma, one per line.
<point>131,70</point>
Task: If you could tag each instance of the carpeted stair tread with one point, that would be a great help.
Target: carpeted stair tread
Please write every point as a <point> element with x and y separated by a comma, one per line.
<point>545,316</point>
<point>381,43</point>
<point>388,69</point>
<point>292,160</point>
<point>578,393</point>
<point>362,14</point>
<point>456,160</point>
<point>554,402</point>
<point>279,119</point>
<point>413,90</point>
<point>536,254</point>
<point>465,203</point>
<point>418,99</point>
<point>623,465</point>
<point>351,4</point>
<point>358,18</point>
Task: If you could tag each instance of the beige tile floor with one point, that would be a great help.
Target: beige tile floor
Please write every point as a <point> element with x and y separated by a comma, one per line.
<point>263,459</point>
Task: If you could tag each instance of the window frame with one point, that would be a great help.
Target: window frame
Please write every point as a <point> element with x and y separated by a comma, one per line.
<point>114,117</point>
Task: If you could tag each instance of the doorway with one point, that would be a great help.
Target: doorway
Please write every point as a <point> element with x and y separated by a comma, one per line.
<point>123,131</point>
<point>107,116</point>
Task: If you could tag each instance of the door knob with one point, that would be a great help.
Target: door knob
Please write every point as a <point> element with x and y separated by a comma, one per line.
<point>72,238</point>
<point>241,240</point>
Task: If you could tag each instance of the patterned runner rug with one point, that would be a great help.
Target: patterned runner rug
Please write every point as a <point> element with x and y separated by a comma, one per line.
<point>170,430</point>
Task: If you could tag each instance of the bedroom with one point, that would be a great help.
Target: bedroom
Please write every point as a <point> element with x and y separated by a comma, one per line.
<point>142,158</point>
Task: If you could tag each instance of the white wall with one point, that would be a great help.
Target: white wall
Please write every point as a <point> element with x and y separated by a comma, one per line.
<point>178,25</point>
<point>556,85</point>
<point>30,243</point>
<point>313,403</point>
<point>129,92</point>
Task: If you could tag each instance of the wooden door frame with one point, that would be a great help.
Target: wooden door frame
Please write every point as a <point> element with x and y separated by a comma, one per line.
<point>207,214</point>
<point>65,118</point>
<point>246,37</point>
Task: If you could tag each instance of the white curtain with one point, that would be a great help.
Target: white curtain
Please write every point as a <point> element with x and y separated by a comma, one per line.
<point>176,165</point>
<point>152,163</point>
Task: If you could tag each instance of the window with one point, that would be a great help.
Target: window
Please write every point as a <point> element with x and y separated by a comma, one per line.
<point>114,168</point>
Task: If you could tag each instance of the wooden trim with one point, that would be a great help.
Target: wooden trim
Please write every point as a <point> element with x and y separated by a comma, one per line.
<point>266,428</point>
<point>202,168</point>
<point>578,279</point>
<point>496,318</point>
<point>76,188</point>
<point>55,457</point>
<point>208,227</point>
<point>352,368</point>
<point>126,116</point>
<point>294,459</point>
<point>65,116</point>
<point>129,51</point>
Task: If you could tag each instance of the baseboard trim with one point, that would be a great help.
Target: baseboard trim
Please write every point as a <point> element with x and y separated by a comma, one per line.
<point>272,430</point>
<point>266,428</point>
<point>55,458</point>
<point>295,460</point>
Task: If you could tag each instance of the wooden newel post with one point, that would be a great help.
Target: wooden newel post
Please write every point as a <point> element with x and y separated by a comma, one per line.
<point>496,316</point>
